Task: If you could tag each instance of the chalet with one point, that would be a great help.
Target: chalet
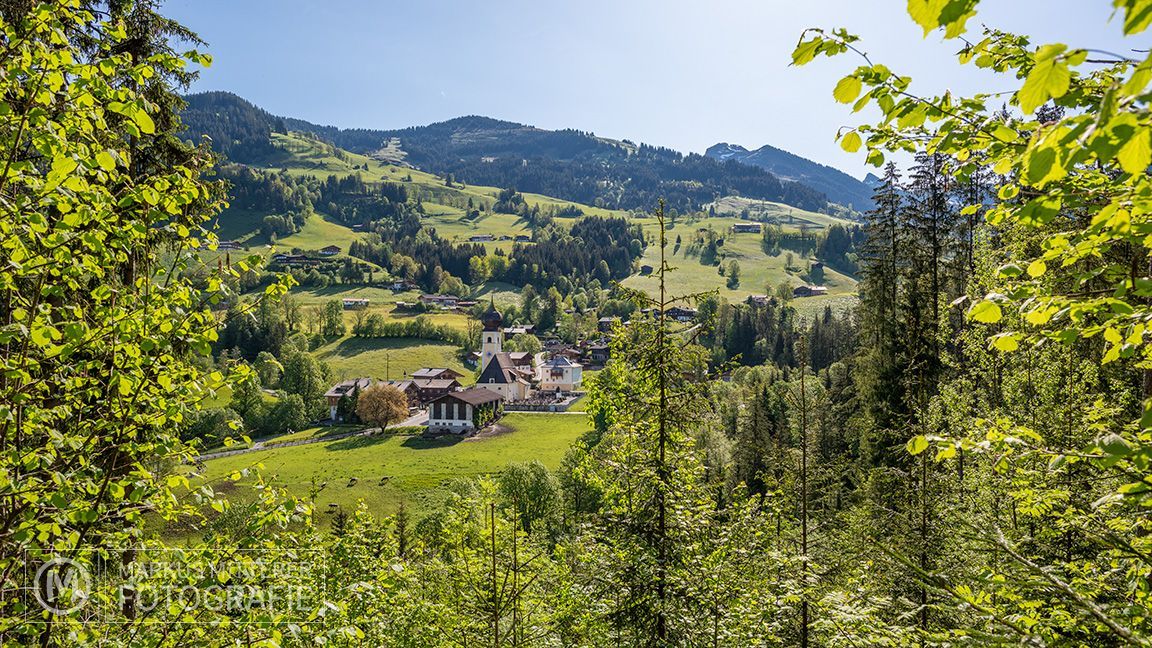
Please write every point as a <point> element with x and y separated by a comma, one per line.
<point>354,303</point>
<point>605,324</point>
<point>441,301</point>
<point>401,285</point>
<point>559,374</point>
<point>481,238</point>
<point>224,245</point>
<point>521,360</point>
<point>598,353</point>
<point>294,260</point>
<point>465,303</point>
<point>464,411</point>
<point>330,250</point>
<point>681,314</point>
<point>747,228</point>
<point>436,373</point>
<point>342,390</point>
<point>523,238</point>
<point>408,388</point>
<point>809,291</point>
<point>760,300</point>
<point>511,331</point>
<point>430,390</point>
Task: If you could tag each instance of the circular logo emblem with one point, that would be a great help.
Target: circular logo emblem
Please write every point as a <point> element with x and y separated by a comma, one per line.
<point>62,586</point>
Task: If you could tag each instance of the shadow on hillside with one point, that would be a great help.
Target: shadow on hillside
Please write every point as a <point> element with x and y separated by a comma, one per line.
<point>353,346</point>
<point>418,442</point>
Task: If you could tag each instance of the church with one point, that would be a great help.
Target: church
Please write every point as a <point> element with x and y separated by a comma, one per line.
<point>499,372</point>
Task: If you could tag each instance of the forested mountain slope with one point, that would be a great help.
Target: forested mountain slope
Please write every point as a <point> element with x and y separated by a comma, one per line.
<point>568,164</point>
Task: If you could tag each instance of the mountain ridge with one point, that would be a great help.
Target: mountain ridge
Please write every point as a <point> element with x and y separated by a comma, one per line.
<point>838,186</point>
<point>570,164</point>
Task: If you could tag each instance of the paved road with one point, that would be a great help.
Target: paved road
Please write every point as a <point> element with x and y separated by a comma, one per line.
<point>420,418</point>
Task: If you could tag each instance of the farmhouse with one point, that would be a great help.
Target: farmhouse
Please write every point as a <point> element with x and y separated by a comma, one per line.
<point>340,390</point>
<point>559,374</point>
<point>430,390</point>
<point>523,238</point>
<point>510,331</point>
<point>442,301</point>
<point>464,411</point>
<point>809,291</point>
<point>354,303</point>
<point>294,260</point>
<point>681,314</point>
<point>330,250</point>
<point>747,228</point>
<point>605,324</point>
<point>760,300</point>
<point>597,354</point>
<point>481,238</point>
<point>435,373</point>
<point>408,388</point>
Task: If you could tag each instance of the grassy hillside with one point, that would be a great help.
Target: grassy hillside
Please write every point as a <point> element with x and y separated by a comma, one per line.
<point>387,358</point>
<point>306,156</point>
<point>417,470</point>
<point>785,215</point>
<point>760,272</point>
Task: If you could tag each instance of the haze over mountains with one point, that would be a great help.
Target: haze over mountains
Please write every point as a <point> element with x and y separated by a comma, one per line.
<point>569,164</point>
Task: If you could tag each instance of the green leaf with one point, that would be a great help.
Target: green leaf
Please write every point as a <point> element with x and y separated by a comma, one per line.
<point>105,160</point>
<point>1136,154</point>
<point>144,121</point>
<point>806,51</point>
<point>1037,268</point>
<point>952,15</point>
<point>1049,79</point>
<point>1005,134</point>
<point>1114,445</point>
<point>851,142</point>
<point>847,90</point>
<point>985,312</point>
<point>917,444</point>
<point>1137,14</point>
<point>1006,342</point>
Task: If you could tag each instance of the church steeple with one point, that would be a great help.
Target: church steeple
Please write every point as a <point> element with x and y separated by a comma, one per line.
<point>492,338</point>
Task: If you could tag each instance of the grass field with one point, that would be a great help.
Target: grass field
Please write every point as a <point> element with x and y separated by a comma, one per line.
<point>417,469</point>
<point>388,358</point>
<point>786,215</point>
<point>317,233</point>
<point>759,272</point>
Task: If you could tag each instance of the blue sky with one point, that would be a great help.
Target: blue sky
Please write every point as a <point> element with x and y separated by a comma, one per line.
<point>666,72</point>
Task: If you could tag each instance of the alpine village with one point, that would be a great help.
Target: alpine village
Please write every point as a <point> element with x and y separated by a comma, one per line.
<point>430,378</point>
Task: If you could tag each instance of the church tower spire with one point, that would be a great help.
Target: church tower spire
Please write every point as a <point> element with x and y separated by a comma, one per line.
<point>492,337</point>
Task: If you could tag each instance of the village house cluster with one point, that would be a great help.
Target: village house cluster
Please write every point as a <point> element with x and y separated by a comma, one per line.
<point>507,380</point>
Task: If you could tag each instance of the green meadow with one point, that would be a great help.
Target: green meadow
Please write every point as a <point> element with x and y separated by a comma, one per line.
<point>388,469</point>
<point>760,272</point>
